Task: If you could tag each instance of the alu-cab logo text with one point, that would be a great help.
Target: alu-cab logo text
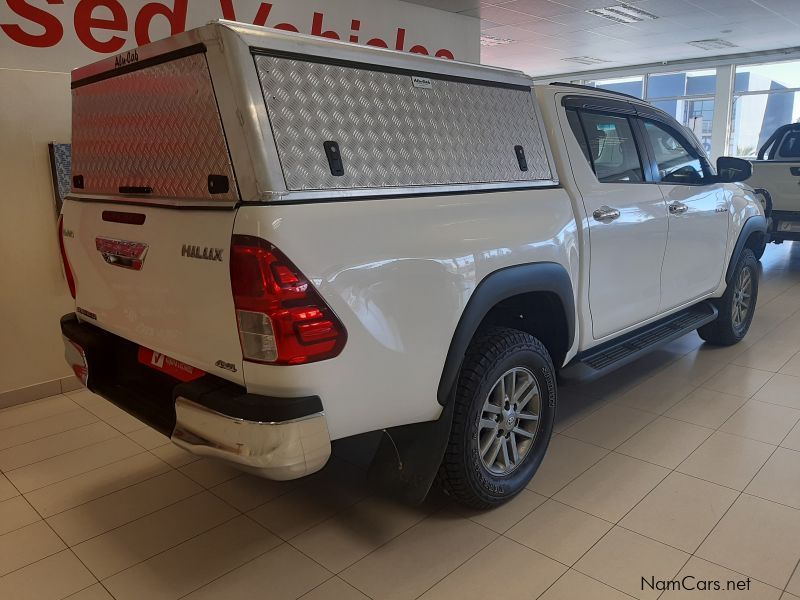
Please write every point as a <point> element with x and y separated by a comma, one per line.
<point>123,60</point>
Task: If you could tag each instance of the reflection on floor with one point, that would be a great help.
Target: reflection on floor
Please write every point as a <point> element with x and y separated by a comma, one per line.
<point>684,463</point>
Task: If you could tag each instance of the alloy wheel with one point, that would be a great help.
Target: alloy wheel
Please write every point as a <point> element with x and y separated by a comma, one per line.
<point>742,295</point>
<point>509,421</point>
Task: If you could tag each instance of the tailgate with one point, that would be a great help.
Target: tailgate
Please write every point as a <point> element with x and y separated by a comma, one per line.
<point>147,227</point>
<point>163,284</point>
<point>152,132</point>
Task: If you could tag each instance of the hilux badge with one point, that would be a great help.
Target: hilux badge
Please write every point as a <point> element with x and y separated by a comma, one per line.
<point>204,253</point>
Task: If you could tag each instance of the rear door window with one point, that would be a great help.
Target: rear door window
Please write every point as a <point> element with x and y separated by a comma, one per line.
<point>610,146</point>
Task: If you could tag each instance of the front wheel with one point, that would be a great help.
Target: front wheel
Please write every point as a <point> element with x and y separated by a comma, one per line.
<point>760,248</point>
<point>766,204</point>
<point>503,418</point>
<point>737,305</point>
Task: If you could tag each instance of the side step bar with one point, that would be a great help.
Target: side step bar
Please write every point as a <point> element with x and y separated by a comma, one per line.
<point>610,355</point>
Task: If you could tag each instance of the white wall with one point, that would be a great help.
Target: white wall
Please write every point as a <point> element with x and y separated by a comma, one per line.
<point>35,110</point>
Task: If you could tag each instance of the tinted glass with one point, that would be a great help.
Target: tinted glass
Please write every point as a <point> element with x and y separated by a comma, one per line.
<point>575,124</point>
<point>790,146</point>
<point>612,148</point>
<point>677,161</point>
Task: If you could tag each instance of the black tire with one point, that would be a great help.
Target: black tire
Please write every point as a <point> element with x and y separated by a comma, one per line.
<point>492,354</point>
<point>760,249</point>
<point>725,331</point>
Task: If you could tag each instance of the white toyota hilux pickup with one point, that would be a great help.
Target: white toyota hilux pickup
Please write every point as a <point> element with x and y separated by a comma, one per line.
<point>777,169</point>
<point>276,240</point>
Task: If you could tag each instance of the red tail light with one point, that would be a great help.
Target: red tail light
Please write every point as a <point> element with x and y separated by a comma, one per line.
<point>282,319</point>
<point>64,260</point>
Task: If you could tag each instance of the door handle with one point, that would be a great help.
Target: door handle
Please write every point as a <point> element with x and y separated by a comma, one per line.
<point>678,208</point>
<point>606,214</point>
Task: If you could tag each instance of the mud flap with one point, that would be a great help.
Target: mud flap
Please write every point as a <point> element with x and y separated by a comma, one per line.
<point>408,457</point>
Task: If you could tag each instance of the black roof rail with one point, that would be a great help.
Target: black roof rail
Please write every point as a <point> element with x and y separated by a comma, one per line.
<point>594,89</point>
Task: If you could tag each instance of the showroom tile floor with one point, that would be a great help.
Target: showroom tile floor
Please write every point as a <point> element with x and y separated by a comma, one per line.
<point>684,463</point>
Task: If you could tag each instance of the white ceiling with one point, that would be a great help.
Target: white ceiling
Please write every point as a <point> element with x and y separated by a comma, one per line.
<point>545,32</point>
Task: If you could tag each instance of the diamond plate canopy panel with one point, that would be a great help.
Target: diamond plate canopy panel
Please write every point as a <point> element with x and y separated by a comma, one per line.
<point>157,127</point>
<point>391,133</point>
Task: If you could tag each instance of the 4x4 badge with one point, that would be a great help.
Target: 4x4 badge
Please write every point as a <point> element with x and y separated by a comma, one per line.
<point>203,253</point>
<point>225,365</point>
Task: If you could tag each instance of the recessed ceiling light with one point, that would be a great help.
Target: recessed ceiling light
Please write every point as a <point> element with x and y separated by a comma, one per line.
<point>490,40</point>
<point>712,44</point>
<point>585,60</point>
<point>623,13</point>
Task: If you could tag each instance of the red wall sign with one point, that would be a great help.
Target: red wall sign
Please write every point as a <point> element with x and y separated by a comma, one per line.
<point>83,31</point>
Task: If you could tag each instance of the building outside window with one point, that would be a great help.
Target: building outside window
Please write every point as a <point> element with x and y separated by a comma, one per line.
<point>688,96</point>
<point>764,98</point>
<point>633,86</point>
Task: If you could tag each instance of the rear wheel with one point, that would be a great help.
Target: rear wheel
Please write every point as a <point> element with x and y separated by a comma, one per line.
<point>737,305</point>
<point>503,418</point>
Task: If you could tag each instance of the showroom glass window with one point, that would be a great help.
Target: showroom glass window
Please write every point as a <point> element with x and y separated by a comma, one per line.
<point>764,98</point>
<point>677,161</point>
<point>633,86</point>
<point>688,96</point>
<point>611,148</point>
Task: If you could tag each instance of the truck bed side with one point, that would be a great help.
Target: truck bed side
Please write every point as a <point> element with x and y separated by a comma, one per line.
<point>399,273</point>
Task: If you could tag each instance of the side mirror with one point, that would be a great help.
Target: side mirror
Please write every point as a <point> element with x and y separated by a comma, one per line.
<point>732,169</point>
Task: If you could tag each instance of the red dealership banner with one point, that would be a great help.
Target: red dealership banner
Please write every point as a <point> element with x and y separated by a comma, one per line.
<point>59,35</point>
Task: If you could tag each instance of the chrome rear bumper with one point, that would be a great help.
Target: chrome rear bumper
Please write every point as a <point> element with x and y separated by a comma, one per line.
<point>275,450</point>
<point>272,436</point>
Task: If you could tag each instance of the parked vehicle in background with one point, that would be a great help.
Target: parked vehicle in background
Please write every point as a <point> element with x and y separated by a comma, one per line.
<point>275,241</point>
<point>777,169</point>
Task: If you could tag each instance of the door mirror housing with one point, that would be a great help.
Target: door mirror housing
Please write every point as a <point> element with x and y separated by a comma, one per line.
<point>733,169</point>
